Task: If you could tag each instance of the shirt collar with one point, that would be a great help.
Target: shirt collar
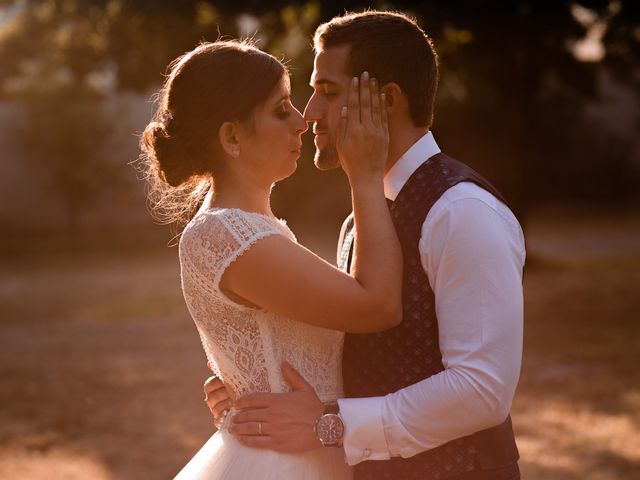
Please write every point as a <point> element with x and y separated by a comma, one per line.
<point>425,148</point>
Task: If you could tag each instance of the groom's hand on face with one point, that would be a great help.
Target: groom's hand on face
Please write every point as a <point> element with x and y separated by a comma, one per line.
<point>279,421</point>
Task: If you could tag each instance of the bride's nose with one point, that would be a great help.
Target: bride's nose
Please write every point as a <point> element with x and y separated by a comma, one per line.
<point>300,123</point>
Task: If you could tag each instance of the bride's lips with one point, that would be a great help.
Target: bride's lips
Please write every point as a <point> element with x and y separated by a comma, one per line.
<point>298,150</point>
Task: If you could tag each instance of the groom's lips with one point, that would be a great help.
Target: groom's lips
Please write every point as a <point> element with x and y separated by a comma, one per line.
<point>320,136</point>
<point>320,140</point>
<point>319,130</point>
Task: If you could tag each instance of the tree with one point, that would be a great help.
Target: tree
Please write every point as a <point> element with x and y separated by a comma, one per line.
<point>512,92</point>
<point>64,134</point>
<point>57,70</point>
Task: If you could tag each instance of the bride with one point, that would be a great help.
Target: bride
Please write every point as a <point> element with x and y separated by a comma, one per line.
<point>225,131</point>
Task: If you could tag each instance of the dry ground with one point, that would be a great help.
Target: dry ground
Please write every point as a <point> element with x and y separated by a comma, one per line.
<point>101,366</point>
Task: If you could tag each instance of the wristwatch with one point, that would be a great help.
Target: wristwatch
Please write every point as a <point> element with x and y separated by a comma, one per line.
<point>329,427</point>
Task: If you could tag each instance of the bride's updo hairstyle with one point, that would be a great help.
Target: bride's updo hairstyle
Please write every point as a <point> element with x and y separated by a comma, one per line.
<point>214,83</point>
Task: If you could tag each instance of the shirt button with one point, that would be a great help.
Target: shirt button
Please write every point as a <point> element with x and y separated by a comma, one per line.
<point>366,453</point>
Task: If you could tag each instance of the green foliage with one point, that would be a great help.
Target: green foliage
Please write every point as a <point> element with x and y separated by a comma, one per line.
<point>65,134</point>
<point>511,98</point>
<point>58,68</point>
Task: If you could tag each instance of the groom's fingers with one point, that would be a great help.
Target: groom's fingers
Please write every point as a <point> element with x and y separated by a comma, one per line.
<point>255,400</point>
<point>212,384</point>
<point>252,429</point>
<point>216,394</point>
<point>250,416</point>
<point>219,408</point>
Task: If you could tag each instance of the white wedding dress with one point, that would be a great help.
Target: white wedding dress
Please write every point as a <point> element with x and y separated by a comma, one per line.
<point>246,346</point>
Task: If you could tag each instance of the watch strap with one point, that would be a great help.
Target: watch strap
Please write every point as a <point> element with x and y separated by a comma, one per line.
<point>331,407</point>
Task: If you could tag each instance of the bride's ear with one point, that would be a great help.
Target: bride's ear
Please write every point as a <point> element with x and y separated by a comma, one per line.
<point>228,135</point>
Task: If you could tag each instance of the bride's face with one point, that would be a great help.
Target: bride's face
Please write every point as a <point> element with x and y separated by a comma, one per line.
<point>274,139</point>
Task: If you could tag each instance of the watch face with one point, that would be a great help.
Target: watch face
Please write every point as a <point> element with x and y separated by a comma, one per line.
<point>330,429</point>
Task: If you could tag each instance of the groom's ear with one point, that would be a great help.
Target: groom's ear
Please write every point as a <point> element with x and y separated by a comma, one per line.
<point>228,135</point>
<point>392,92</point>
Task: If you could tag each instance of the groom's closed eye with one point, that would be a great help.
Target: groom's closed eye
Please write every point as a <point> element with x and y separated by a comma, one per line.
<point>328,91</point>
<point>326,88</point>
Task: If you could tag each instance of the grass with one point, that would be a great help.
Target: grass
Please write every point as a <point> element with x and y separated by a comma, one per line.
<point>577,410</point>
<point>102,367</point>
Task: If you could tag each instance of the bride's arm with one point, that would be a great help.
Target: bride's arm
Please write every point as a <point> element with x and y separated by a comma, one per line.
<point>286,278</point>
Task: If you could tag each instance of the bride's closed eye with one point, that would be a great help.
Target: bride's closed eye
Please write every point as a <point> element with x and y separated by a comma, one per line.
<point>283,112</point>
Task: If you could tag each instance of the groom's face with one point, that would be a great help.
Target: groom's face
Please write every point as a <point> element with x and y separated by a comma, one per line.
<point>330,81</point>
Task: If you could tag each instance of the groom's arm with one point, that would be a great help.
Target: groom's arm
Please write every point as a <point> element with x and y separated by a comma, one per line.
<point>279,421</point>
<point>473,252</point>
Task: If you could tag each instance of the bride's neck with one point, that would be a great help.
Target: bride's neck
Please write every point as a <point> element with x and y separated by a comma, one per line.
<point>236,191</point>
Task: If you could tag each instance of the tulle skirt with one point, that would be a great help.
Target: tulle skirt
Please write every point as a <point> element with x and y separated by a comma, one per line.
<point>223,457</point>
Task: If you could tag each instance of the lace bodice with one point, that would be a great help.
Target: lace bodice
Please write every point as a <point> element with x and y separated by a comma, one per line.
<point>246,346</point>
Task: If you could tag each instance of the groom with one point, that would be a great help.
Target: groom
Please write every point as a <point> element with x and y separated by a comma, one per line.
<point>429,398</point>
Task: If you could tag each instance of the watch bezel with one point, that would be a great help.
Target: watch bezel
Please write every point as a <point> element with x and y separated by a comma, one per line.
<point>336,438</point>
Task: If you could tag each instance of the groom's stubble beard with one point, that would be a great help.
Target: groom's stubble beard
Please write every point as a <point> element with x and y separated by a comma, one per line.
<point>327,158</point>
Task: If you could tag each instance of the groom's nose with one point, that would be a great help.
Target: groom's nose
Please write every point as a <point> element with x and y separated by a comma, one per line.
<point>312,112</point>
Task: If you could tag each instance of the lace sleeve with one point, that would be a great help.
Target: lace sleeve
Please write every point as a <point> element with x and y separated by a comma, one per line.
<point>215,239</point>
<point>232,334</point>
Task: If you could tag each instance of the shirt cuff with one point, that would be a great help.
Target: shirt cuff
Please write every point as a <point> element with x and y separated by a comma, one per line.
<point>364,437</point>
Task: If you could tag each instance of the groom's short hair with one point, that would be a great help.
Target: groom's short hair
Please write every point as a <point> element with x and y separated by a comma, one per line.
<point>392,48</point>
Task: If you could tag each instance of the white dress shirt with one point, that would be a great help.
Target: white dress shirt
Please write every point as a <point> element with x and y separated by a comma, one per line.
<point>472,250</point>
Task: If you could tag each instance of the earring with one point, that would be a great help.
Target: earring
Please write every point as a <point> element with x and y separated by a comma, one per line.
<point>235,152</point>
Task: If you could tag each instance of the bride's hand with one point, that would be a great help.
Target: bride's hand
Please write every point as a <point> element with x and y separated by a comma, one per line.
<point>363,137</point>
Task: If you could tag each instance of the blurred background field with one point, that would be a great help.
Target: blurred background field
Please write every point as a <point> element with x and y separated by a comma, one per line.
<point>101,365</point>
<point>102,368</point>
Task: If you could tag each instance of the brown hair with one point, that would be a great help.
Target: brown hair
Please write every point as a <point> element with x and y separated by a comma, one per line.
<point>214,83</point>
<point>391,47</point>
